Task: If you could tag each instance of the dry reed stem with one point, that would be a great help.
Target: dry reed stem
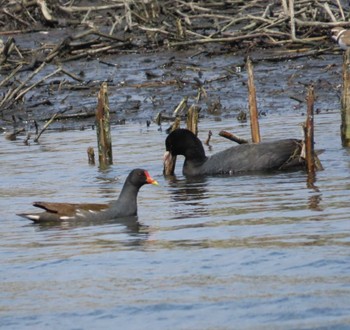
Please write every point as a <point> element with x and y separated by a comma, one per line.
<point>253,109</point>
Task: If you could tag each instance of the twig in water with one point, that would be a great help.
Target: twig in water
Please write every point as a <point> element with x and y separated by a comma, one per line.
<point>233,137</point>
<point>46,126</point>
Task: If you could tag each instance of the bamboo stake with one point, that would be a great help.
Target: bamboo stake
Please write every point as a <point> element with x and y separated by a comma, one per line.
<point>253,109</point>
<point>345,101</point>
<point>104,140</point>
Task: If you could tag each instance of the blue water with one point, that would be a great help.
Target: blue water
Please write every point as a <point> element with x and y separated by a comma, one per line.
<point>245,252</point>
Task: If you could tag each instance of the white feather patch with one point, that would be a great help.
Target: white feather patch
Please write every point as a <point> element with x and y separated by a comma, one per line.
<point>33,216</point>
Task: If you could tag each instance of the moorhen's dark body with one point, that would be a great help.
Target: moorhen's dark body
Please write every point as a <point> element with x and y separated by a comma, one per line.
<point>124,206</point>
<point>264,156</point>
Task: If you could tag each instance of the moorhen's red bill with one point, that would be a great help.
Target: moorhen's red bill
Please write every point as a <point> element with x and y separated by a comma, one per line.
<point>124,206</point>
<point>264,156</point>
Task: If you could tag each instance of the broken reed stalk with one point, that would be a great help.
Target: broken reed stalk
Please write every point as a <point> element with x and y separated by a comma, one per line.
<point>175,125</point>
<point>104,140</point>
<point>253,109</point>
<point>233,137</point>
<point>91,155</point>
<point>169,164</point>
<point>309,132</point>
<point>181,106</point>
<point>207,141</point>
<point>345,101</point>
<point>192,118</point>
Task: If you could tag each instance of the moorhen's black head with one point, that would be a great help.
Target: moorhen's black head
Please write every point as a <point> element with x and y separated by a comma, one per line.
<point>138,177</point>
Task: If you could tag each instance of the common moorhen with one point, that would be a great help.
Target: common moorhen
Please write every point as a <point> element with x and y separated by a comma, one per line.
<point>264,156</point>
<point>124,206</point>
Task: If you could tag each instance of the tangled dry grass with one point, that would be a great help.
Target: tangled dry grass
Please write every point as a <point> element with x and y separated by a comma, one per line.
<point>122,26</point>
<point>118,25</point>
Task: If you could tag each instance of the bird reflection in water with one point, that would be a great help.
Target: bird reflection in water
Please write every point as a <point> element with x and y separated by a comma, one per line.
<point>130,223</point>
<point>314,200</point>
<point>136,232</point>
<point>190,194</point>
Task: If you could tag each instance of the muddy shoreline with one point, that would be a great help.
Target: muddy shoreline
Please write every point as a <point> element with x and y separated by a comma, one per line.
<point>149,78</point>
<point>142,85</point>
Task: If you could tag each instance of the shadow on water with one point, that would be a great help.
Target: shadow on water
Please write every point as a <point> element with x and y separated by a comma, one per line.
<point>315,200</point>
<point>190,194</point>
<point>107,182</point>
<point>129,225</point>
<point>188,189</point>
<point>194,196</point>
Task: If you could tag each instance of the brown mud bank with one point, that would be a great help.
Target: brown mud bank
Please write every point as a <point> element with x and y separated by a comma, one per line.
<point>142,85</point>
<point>154,55</point>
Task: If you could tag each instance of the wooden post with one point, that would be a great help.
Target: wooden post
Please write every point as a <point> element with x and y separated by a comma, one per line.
<point>345,101</point>
<point>253,110</point>
<point>309,132</point>
<point>192,118</point>
<point>104,140</point>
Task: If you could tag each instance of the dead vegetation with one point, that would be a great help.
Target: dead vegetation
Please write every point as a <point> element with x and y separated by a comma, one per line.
<point>120,26</point>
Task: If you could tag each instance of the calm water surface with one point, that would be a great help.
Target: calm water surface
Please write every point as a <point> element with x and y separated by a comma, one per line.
<point>243,252</point>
